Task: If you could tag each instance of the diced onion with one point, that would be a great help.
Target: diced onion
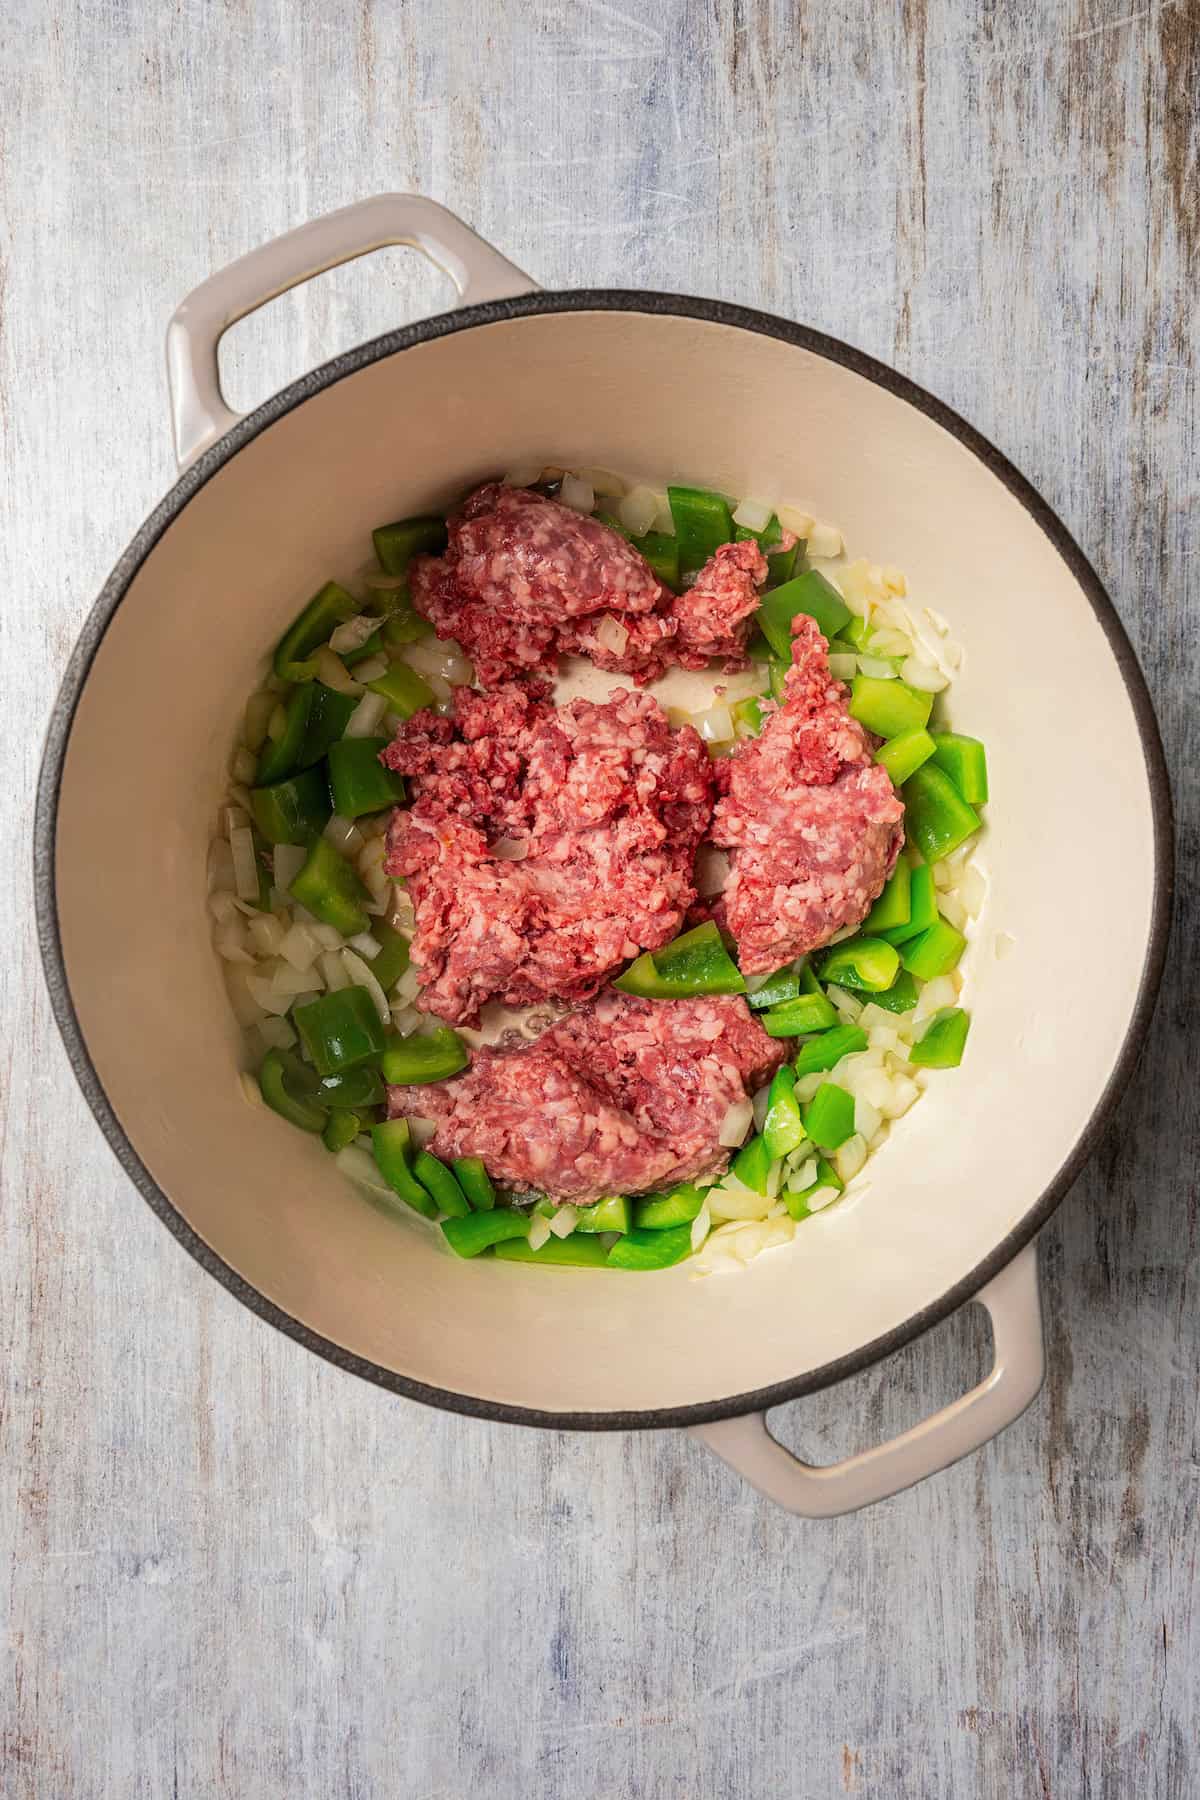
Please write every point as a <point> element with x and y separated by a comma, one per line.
<point>761,1101</point>
<point>755,515</point>
<point>774,1179</point>
<point>611,635</point>
<point>523,475</point>
<point>539,1231</point>
<point>638,510</point>
<point>327,936</point>
<point>299,946</point>
<point>792,519</point>
<point>712,870</point>
<point>850,1158</point>
<point>367,717</point>
<point>333,970</point>
<point>407,988</point>
<point>276,1034</point>
<point>360,974</point>
<point>603,481</point>
<point>824,540</point>
<point>370,669</point>
<point>243,765</point>
<point>867,1118</point>
<point>920,675</point>
<point>221,878</point>
<point>510,849</point>
<point>365,945</point>
<point>821,1198</point>
<point>804,1175</point>
<point>729,1200</point>
<point>262,989</point>
<point>334,673</point>
<point>564,1221</point>
<point>266,934</point>
<point>935,995</point>
<point>287,860</point>
<point>440,657</point>
<point>953,911</point>
<point>877,668</point>
<point>972,890</point>
<point>701,1226</point>
<point>352,634</point>
<point>289,981</point>
<point>735,1124</point>
<point>251,1092</point>
<point>405,1019</point>
<point>245,863</point>
<point>229,942</point>
<point>579,495</point>
<point>842,665</point>
<point>344,835</point>
<point>223,906</point>
<point>714,725</point>
<point>903,1092</point>
<point>246,1009</point>
<point>890,643</point>
<point>844,1004</point>
<point>259,708</point>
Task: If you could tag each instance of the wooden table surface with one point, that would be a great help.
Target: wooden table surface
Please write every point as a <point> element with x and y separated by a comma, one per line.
<point>228,1569</point>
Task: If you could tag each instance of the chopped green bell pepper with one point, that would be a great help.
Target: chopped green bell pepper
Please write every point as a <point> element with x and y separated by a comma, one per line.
<point>661,551</point>
<point>329,887</point>
<point>294,811</point>
<point>904,754</point>
<point>475,1182</point>
<point>783,1129</point>
<point>398,543</point>
<point>854,635</point>
<point>888,707</point>
<point>290,1088</point>
<point>807,593</point>
<point>747,717</point>
<point>894,905</point>
<point>478,1231</point>
<point>778,679</point>
<point>283,755</point>
<point>404,626</point>
<point>809,1012</point>
<point>393,958</point>
<point>796,1199</point>
<point>651,1249</point>
<point>758,649</point>
<point>695,963</point>
<point>938,819</point>
<point>703,522</point>
<point>935,952</point>
<point>358,781</point>
<point>358,1088</point>
<point>571,1252</point>
<point>752,1164</point>
<point>867,964</point>
<point>826,1051</point>
<point>440,1184</point>
<point>658,1212</point>
<point>329,607</point>
<point>432,1056</point>
<point>923,912</point>
<point>941,1044</point>
<point>964,760</point>
<point>327,721</point>
<point>783,985</point>
<point>605,1215</point>
<point>371,646</point>
<point>901,997</point>
<point>342,1129</point>
<point>392,1143</point>
<point>829,1116</point>
<point>405,691</point>
<point>340,1030</point>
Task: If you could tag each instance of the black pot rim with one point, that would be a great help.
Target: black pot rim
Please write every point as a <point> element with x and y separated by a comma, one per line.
<point>468,319</point>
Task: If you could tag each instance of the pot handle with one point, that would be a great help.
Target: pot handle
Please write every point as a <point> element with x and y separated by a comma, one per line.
<point>199,415</point>
<point>1013,1302</point>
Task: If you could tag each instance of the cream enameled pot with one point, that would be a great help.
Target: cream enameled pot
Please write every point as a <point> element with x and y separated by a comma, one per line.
<point>1078,856</point>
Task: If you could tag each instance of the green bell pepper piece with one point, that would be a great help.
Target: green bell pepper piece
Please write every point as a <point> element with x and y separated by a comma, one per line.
<point>478,1231</point>
<point>397,544</point>
<point>752,1164</point>
<point>358,782</point>
<point>778,677</point>
<point>294,811</point>
<point>935,952</point>
<point>783,1129</point>
<point>807,593</point>
<point>747,717</point>
<point>328,886</point>
<point>432,1056</point>
<point>404,626</point>
<point>829,1116</point>
<point>651,1249</point>
<point>695,963</point>
<point>854,635</point>
<point>964,760</point>
<point>888,707</point>
<point>826,1051</point>
<point>283,755</point>
<point>440,1184</point>
<point>371,646</point>
<point>358,1088</point>
<point>393,958</point>
<point>941,1044</point>
<point>867,964</point>
<point>923,912</point>
<point>329,607</point>
<point>938,818</point>
<point>571,1252</point>
<point>289,1088</point>
<point>392,1142</point>
<point>808,1012</point>
<point>758,649</point>
<point>904,754</point>
<point>901,997</point>
<point>614,524</point>
<point>661,551</point>
<point>658,1212</point>
<point>894,905</point>
<point>783,985</point>
<point>405,691</point>
<point>342,1129</point>
<point>327,721</point>
<point>475,1182</point>
<point>605,1215</point>
<point>703,522</point>
<point>340,1030</point>
<point>796,1199</point>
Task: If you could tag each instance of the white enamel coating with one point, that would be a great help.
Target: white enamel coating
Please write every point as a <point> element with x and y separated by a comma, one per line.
<point>199,415</point>
<point>1013,1304</point>
<point>651,394</point>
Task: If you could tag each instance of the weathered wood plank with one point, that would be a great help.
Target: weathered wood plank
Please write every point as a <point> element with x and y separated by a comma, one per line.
<point>224,1567</point>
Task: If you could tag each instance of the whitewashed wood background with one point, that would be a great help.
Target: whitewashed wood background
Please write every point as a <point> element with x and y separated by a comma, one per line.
<point>227,1569</point>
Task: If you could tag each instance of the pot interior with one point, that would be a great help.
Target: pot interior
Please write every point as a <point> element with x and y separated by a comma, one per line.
<point>1054,965</point>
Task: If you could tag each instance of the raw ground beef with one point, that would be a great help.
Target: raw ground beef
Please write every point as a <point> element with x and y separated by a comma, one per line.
<point>624,1096</point>
<point>526,580</point>
<point>814,827</point>
<point>544,846</point>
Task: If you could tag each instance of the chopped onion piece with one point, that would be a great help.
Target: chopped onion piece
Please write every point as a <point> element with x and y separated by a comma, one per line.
<point>735,1124</point>
<point>935,995</point>
<point>877,668</point>
<point>804,1175</point>
<point>405,1019</point>
<point>603,482</point>
<point>365,945</point>
<point>510,849</point>
<point>844,1004</point>
<point>522,475</point>
<point>246,1009</point>
<point>761,1101</point>
<point>755,515</point>
<point>904,1092</point>
<point>712,870</point>
<point>792,519</point>
<point>920,675</point>
<point>221,878</point>
<point>229,942</point>
<point>579,495</point>
<point>334,971</point>
<point>245,863</point>
<point>843,665</point>
<point>289,981</point>
<point>774,1178</point>
<point>890,643</point>
<point>223,907</point>
<point>352,634</point>
<point>821,1198</point>
<point>715,725</point>
<point>327,936</point>
<point>611,635</point>
<point>262,989</point>
<point>299,946</point>
<point>287,860</point>
<point>334,673</point>
<point>824,540</point>
<point>360,974</point>
<point>539,1231</point>
<point>266,934</point>
<point>849,1159</point>
<point>407,988</point>
<point>953,911</point>
<point>701,1226</point>
<point>867,1118</point>
<point>344,835</point>
<point>243,765</point>
<point>259,708</point>
<point>564,1221</point>
<point>730,1200</point>
<point>251,1092</point>
<point>440,657</point>
<point>972,890</point>
<point>367,716</point>
<point>370,669</point>
<point>638,510</point>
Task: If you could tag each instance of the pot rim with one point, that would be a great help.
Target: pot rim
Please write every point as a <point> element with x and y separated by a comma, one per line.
<point>350,362</point>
